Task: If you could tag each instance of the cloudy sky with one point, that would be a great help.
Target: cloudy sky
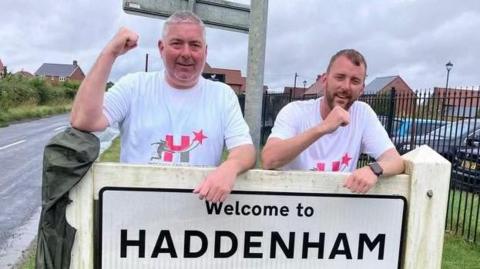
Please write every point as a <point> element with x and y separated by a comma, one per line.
<point>410,38</point>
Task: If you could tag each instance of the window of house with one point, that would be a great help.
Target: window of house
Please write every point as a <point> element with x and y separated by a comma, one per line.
<point>62,78</point>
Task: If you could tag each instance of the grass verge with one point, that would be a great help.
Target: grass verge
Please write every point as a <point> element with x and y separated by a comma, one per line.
<point>463,217</point>
<point>31,112</point>
<point>112,154</point>
<point>27,261</point>
<point>458,253</point>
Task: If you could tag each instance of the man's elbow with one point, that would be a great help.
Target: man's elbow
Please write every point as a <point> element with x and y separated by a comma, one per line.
<point>268,162</point>
<point>87,125</point>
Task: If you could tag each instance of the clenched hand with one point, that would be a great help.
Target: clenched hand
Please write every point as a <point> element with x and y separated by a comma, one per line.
<point>122,42</point>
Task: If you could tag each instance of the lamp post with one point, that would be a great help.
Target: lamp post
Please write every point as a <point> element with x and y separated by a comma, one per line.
<point>449,67</point>
<point>304,88</point>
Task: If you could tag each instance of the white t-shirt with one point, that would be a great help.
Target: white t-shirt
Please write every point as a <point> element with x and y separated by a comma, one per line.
<point>160,124</point>
<point>337,151</point>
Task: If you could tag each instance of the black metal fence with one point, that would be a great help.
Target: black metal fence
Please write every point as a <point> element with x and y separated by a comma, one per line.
<point>447,121</point>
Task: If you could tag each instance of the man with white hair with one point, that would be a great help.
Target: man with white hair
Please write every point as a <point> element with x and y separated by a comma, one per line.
<point>170,117</point>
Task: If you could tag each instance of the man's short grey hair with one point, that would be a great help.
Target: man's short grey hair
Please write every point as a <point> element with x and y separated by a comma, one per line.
<point>183,16</point>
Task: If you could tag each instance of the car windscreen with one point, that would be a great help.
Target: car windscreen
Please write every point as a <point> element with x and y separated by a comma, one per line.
<point>456,129</point>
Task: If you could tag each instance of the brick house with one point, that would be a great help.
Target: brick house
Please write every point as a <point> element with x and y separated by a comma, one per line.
<point>406,98</point>
<point>384,84</point>
<point>2,69</point>
<point>294,92</point>
<point>60,72</point>
<point>24,74</point>
<point>460,103</point>
<point>231,77</point>
<point>316,89</point>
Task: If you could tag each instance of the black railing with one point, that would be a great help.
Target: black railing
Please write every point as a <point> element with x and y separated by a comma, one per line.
<point>447,121</point>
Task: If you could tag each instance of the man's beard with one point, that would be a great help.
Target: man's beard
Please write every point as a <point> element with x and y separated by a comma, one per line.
<point>331,101</point>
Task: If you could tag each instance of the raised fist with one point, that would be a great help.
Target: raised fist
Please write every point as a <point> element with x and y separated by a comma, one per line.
<point>122,42</point>
<point>336,118</point>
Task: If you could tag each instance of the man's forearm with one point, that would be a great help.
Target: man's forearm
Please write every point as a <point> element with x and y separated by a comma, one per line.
<point>240,158</point>
<point>87,109</point>
<point>391,163</point>
<point>278,152</point>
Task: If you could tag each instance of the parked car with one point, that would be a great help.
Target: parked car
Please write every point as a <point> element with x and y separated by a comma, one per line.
<point>404,130</point>
<point>444,140</point>
<point>405,127</point>
<point>385,119</point>
<point>466,165</point>
<point>402,127</point>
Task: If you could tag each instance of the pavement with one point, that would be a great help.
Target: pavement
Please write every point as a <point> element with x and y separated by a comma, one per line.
<point>21,154</point>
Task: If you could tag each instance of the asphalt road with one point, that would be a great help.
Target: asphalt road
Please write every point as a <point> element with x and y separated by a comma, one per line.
<point>21,155</point>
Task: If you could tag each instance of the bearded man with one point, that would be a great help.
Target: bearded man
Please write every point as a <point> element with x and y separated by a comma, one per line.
<point>330,133</point>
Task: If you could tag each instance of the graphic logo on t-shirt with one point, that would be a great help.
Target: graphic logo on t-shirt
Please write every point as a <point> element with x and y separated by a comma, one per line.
<point>335,166</point>
<point>167,148</point>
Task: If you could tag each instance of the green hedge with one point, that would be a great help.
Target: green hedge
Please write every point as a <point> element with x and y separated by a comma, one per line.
<point>19,91</point>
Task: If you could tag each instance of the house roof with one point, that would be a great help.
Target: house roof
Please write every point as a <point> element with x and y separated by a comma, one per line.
<point>24,73</point>
<point>296,92</point>
<point>315,88</point>
<point>231,76</point>
<point>60,70</point>
<point>378,84</point>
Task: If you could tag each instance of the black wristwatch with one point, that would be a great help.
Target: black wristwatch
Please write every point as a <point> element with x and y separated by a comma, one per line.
<point>376,168</point>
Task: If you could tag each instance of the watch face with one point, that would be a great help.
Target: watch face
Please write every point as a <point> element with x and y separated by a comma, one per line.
<point>376,168</point>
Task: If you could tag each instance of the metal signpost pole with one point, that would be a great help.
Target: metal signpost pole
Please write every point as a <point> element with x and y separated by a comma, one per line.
<point>256,62</point>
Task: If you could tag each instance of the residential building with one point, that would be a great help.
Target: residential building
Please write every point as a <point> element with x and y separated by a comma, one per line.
<point>458,103</point>
<point>60,72</point>
<point>316,89</point>
<point>406,98</point>
<point>231,77</point>
<point>381,85</point>
<point>2,69</point>
<point>24,74</point>
<point>294,92</point>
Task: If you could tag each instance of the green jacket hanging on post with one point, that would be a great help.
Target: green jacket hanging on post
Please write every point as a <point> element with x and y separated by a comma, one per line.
<point>67,158</point>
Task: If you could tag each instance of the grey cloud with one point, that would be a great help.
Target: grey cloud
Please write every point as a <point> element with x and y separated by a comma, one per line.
<point>410,38</point>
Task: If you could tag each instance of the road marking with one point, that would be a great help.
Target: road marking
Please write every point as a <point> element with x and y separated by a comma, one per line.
<point>13,144</point>
<point>61,128</point>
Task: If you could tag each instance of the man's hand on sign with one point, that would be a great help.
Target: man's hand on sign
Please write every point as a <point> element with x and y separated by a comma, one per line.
<point>122,42</point>
<point>336,118</point>
<point>361,180</point>
<point>217,185</point>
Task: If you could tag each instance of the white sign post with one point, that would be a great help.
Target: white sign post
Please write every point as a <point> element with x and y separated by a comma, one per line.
<point>156,203</point>
<point>171,228</point>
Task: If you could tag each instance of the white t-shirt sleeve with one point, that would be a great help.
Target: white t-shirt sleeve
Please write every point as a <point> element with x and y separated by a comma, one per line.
<point>236,132</point>
<point>284,126</point>
<point>375,140</point>
<point>118,99</point>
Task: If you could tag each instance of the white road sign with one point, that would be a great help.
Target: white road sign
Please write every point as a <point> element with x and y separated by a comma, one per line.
<point>217,13</point>
<point>172,228</point>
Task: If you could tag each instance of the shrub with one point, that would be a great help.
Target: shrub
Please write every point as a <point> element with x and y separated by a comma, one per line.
<point>71,88</point>
<point>43,90</point>
<point>19,91</point>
